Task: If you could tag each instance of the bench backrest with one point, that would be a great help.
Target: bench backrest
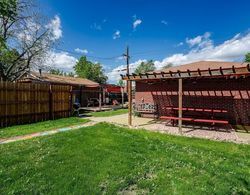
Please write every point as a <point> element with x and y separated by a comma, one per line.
<point>146,107</point>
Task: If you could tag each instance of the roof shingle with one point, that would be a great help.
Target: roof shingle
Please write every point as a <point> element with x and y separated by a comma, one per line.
<point>205,65</point>
<point>51,78</point>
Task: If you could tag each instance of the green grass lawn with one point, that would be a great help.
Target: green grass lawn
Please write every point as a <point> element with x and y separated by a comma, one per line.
<point>40,126</point>
<point>108,159</point>
<point>109,113</point>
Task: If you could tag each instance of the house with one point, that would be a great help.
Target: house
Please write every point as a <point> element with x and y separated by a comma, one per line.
<point>204,90</point>
<point>113,92</point>
<point>82,89</point>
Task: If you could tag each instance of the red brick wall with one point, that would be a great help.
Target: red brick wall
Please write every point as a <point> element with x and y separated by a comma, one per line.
<point>232,95</point>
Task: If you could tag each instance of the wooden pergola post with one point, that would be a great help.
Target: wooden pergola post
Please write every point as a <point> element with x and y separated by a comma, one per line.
<point>180,105</point>
<point>100,99</point>
<point>129,83</point>
<point>122,91</point>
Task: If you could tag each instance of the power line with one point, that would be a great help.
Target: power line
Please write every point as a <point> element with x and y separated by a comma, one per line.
<point>90,56</point>
<point>112,57</point>
<point>146,52</point>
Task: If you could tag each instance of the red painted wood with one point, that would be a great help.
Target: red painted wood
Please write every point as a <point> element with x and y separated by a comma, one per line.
<point>195,120</point>
<point>210,121</point>
<point>198,109</point>
<point>176,118</point>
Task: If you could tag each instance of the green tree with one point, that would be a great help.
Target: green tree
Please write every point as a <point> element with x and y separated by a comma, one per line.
<point>247,57</point>
<point>61,73</point>
<point>121,83</point>
<point>8,8</point>
<point>169,65</point>
<point>145,67</point>
<point>98,73</point>
<point>89,70</point>
<point>56,72</point>
<point>25,38</point>
<point>71,74</point>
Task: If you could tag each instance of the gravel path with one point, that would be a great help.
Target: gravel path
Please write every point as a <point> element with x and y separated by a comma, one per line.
<point>147,124</point>
<point>150,124</point>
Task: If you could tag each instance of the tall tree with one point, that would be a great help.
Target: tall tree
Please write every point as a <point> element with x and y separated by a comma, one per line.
<point>247,57</point>
<point>56,72</point>
<point>169,65</point>
<point>61,72</point>
<point>121,83</point>
<point>89,70</point>
<point>145,67</point>
<point>25,38</point>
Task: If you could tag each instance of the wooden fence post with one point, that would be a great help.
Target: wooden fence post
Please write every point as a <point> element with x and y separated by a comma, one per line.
<point>71,100</point>
<point>80,96</point>
<point>50,103</point>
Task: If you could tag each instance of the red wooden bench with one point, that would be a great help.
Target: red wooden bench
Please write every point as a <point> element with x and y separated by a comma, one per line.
<point>212,121</point>
<point>198,109</point>
<point>175,118</point>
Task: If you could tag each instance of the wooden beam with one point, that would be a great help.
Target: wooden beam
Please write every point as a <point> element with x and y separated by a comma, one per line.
<point>179,73</point>
<point>210,72</point>
<point>248,67</point>
<point>129,83</point>
<point>80,95</point>
<point>221,71</point>
<point>180,105</point>
<point>233,68</point>
<point>122,91</point>
<point>100,99</point>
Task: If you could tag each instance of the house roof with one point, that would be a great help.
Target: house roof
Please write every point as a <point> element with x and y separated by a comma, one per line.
<point>205,65</point>
<point>51,78</point>
<point>209,69</point>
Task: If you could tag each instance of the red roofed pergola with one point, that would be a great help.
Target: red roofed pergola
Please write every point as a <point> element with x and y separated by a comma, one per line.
<point>218,95</point>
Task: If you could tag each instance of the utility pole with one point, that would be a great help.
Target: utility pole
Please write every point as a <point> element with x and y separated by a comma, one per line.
<point>129,89</point>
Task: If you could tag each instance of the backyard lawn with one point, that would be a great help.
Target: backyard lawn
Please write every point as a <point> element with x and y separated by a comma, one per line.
<point>39,127</point>
<point>108,159</point>
<point>109,113</point>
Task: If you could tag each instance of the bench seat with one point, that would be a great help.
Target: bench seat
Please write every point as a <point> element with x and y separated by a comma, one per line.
<point>195,120</point>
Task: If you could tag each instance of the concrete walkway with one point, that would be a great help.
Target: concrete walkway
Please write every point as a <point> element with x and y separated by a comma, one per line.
<point>122,119</point>
<point>51,132</point>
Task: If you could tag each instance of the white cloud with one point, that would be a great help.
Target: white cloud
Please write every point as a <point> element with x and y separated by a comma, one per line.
<point>29,32</point>
<point>201,40</point>
<point>164,22</point>
<point>233,49</point>
<point>114,75</point>
<point>61,60</point>
<point>55,27</point>
<point>119,58</point>
<point>180,44</point>
<point>117,35</point>
<point>83,51</point>
<point>96,26</point>
<point>136,23</point>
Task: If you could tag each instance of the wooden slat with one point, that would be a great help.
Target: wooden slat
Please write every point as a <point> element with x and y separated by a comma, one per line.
<point>22,103</point>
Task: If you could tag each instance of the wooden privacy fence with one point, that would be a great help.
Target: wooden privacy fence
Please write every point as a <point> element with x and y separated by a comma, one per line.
<point>22,103</point>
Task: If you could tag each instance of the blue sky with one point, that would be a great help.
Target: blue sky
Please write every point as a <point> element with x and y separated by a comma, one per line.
<point>166,31</point>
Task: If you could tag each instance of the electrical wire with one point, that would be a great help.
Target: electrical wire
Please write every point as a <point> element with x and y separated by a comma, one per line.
<point>90,56</point>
